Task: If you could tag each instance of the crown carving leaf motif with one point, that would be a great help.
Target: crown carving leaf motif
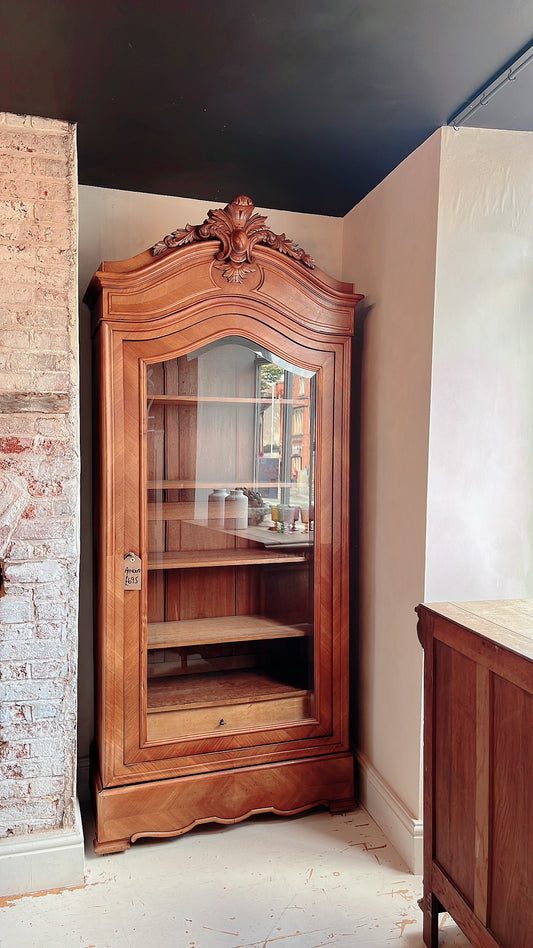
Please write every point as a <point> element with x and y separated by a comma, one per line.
<point>238,230</point>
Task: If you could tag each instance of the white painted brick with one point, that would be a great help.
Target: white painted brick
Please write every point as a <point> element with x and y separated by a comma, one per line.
<point>14,713</point>
<point>46,786</point>
<point>39,473</point>
<point>39,816</point>
<point>33,689</point>
<point>38,572</point>
<point>51,610</point>
<point>27,768</point>
<point>46,747</point>
<point>50,167</point>
<point>35,650</point>
<point>50,124</point>
<point>13,750</point>
<point>16,632</point>
<point>49,733</point>
<point>51,630</point>
<point>26,550</point>
<point>14,671</point>
<point>49,591</point>
<point>10,382</point>
<point>52,427</point>
<point>12,163</point>
<point>52,528</point>
<point>12,210</point>
<point>26,140</point>
<point>11,118</point>
<point>15,609</point>
<point>49,669</point>
<point>43,710</point>
<point>52,381</point>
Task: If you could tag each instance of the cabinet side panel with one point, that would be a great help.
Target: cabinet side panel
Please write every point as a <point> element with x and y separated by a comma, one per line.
<point>455,767</point>
<point>511,890</point>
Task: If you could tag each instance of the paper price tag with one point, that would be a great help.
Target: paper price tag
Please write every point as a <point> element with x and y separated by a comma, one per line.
<point>132,571</point>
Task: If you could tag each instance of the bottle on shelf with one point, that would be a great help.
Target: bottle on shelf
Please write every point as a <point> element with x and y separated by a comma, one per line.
<point>216,506</point>
<point>236,510</point>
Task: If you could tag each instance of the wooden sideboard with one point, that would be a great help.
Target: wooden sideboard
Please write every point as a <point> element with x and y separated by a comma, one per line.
<point>478,770</point>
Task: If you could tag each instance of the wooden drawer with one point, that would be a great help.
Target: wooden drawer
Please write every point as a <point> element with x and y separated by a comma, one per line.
<point>169,725</point>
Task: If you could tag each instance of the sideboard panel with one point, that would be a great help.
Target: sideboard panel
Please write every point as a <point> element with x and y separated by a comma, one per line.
<point>512,842</point>
<point>455,766</point>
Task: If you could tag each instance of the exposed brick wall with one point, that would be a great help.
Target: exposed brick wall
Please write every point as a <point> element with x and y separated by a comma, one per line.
<point>39,473</point>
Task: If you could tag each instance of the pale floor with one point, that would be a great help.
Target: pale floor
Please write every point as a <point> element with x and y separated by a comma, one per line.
<point>312,881</point>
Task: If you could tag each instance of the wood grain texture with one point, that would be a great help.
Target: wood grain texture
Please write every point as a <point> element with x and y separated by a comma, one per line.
<point>478,770</point>
<point>226,628</point>
<point>172,807</point>
<point>511,891</point>
<point>269,604</point>
<point>454,767</point>
<point>193,559</point>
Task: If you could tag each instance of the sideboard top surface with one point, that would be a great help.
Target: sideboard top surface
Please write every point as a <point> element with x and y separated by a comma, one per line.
<point>506,622</point>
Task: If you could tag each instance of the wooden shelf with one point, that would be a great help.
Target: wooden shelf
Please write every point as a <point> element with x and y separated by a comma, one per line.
<point>201,691</point>
<point>225,400</point>
<point>186,510</point>
<point>208,485</point>
<point>222,629</point>
<point>204,558</point>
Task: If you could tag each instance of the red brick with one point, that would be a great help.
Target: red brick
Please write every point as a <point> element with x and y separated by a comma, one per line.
<point>49,167</point>
<point>13,293</point>
<point>15,445</point>
<point>55,256</point>
<point>15,210</point>
<point>54,191</point>
<point>13,163</point>
<point>18,253</point>
<point>43,233</point>
<point>52,211</point>
<point>26,141</point>
<point>17,187</point>
<point>14,339</point>
<point>30,512</point>
<point>13,273</point>
<point>50,124</point>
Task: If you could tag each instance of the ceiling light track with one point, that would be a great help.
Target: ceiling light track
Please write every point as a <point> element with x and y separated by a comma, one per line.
<point>483,97</point>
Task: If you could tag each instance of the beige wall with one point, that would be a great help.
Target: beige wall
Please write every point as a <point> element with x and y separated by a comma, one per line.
<point>443,249</point>
<point>480,497</point>
<point>389,253</point>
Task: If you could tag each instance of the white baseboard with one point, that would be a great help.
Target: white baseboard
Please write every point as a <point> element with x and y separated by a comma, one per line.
<point>41,861</point>
<point>390,813</point>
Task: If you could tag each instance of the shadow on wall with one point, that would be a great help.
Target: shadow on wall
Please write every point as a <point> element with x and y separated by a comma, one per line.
<point>361,314</point>
<point>85,653</point>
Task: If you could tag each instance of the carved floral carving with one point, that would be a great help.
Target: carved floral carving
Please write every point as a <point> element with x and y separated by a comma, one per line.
<point>238,230</point>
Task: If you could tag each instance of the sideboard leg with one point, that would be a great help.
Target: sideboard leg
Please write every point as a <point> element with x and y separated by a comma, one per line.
<point>431,907</point>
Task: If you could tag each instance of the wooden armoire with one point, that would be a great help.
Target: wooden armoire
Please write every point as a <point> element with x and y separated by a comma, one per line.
<point>222,415</point>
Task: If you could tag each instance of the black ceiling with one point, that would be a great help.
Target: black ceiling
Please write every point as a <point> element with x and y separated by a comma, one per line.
<point>303,104</point>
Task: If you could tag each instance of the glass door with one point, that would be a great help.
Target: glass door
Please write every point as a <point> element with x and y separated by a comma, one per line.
<point>229,473</point>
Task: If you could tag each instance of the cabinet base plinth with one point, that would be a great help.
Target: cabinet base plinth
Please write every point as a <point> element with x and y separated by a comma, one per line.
<point>113,846</point>
<point>172,807</point>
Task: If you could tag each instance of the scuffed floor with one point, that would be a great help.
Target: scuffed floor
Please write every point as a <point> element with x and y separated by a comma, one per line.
<point>313,881</point>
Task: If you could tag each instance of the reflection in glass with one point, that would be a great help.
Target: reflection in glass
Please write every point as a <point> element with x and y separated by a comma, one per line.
<point>229,468</point>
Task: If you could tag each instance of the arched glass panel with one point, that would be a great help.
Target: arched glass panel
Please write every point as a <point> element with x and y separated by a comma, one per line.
<point>229,526</point>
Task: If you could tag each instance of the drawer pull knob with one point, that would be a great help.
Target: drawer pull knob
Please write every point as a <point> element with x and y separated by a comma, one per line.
<point>221,722</point>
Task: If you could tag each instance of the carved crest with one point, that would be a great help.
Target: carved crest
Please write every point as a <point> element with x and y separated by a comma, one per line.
<point>238,230</point>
